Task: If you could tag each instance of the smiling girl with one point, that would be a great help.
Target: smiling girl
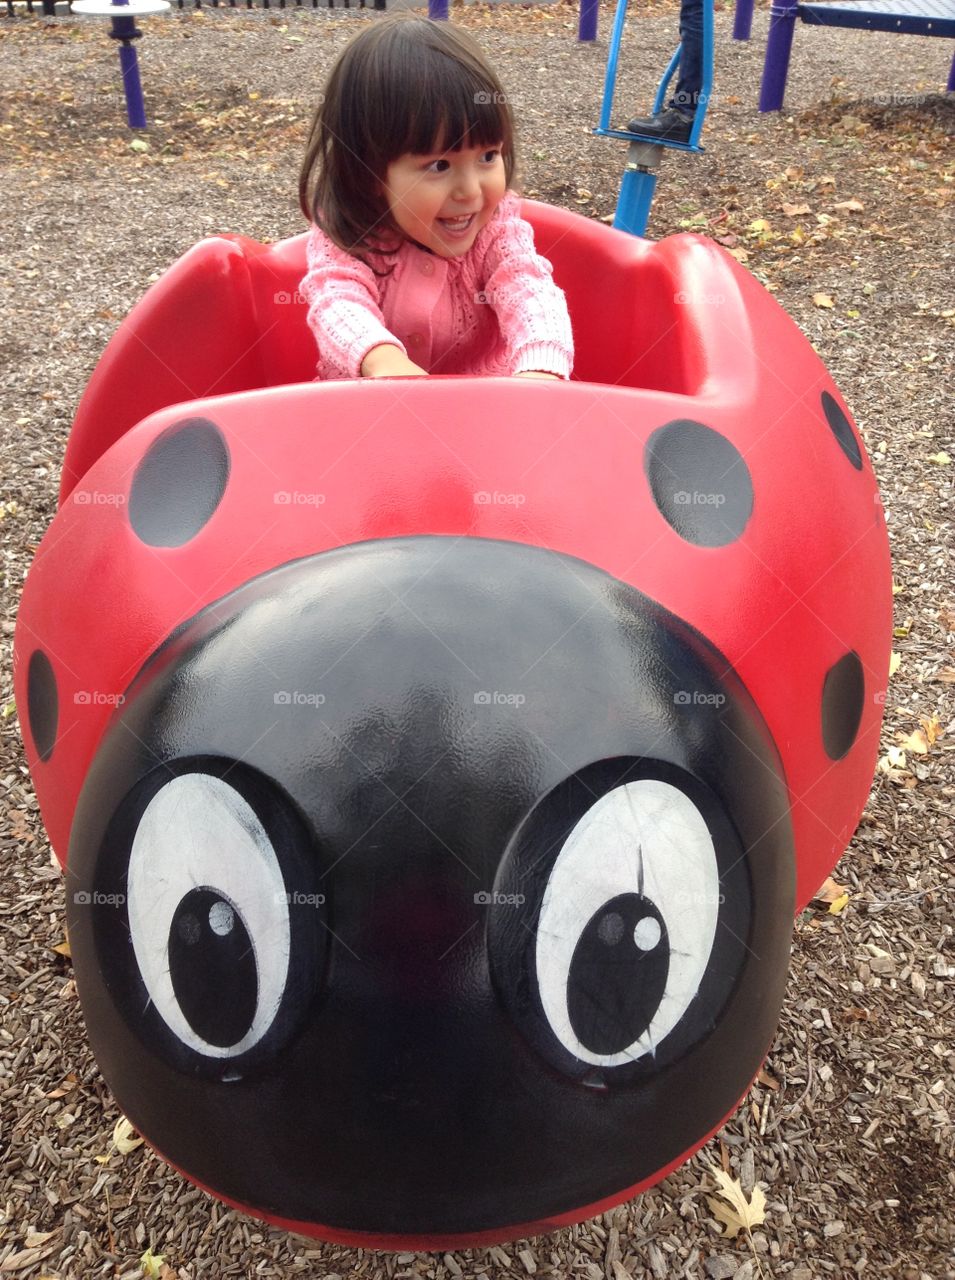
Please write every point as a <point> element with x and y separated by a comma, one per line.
<point>418,259</point>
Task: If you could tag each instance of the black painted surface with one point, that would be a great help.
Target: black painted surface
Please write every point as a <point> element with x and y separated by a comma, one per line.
<point>411,1087</point>
<point>843,693</point>
<point>700,483</point>
<point>43,703</point>
<point>842,429</point>
<point>179,483</point>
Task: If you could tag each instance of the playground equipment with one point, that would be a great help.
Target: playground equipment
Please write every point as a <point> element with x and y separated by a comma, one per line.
<point>901,17</point>
<point>437,764</point>
<point>644,155</point>
<point>123,15</point>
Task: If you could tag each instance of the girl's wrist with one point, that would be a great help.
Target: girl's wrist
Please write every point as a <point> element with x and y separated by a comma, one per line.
<point>388,360</point>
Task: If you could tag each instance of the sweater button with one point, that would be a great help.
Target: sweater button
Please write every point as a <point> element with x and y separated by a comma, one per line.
<point>427,267</point>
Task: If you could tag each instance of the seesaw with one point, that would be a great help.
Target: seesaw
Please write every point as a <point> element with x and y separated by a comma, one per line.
<point>437,764</point>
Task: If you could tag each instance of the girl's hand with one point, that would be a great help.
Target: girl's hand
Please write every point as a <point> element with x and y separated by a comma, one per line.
<point>387,361</point>
<point>536,373</point>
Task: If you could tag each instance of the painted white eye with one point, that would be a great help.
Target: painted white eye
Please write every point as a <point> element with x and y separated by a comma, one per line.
<point>627,923</point>
<point>208,915</point>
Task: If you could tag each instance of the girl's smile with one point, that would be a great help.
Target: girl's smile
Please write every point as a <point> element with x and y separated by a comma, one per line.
<point>443,200</point>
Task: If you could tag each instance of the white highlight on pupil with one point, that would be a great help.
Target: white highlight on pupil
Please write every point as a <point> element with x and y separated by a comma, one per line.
<point>221,918</point>
<point>646,933</point>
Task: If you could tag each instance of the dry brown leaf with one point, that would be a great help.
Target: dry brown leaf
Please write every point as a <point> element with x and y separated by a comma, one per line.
<point>828,892</point>
<point>767,1078</point>
<point>851,206</point>
<point>947,675</point>
<point>795,210</point>
<point>823,300</point>
<point>63,949</point>
<point>737,1214</point>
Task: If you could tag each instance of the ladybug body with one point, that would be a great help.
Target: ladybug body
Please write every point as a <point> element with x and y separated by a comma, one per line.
<point>437,764</point>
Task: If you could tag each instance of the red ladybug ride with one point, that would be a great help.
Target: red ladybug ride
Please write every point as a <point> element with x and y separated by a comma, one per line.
<point>437,764</point>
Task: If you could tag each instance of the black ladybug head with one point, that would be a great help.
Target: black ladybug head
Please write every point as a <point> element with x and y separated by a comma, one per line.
<point>430,887</point>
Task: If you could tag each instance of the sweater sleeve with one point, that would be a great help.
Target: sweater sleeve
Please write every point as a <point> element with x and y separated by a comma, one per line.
<point>344,309</point>
<point>531,310</point>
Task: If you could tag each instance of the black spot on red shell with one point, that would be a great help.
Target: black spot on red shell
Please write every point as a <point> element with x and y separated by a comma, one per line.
<point>843,692</point>
<point>43,703</point>
<point>838,420</point>
<point>179,483</point>
<point>700,483</point>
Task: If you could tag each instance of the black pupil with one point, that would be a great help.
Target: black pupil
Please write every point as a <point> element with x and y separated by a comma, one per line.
<point>618,974</point>
<point>212,966</point>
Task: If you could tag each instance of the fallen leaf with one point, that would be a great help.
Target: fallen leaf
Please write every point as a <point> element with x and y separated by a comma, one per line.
<point>931,728</point>
<point>894,662</point>
<point>737,1214</point>
<point>767,1078</point>
<point>823,300</point>
<point>947,675</point>
<point>941,459</point>
<point>839,905</point>
<point>36,1238</point>
<point>795,210</point>
<point>829,891</point>
<point>151,1264</point>
<point>851,206</point>
<point>63,949</point>
<point>123,1140</point>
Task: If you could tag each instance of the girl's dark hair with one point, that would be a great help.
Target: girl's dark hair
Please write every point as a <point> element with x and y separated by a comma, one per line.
<point>403,85</point>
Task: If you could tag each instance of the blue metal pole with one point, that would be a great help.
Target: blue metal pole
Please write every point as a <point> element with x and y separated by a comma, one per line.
<point>634,201</point>
<point>610,75</point>
<point>438,10</point>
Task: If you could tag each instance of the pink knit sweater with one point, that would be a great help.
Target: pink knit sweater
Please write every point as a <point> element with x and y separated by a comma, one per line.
<point>493,311</point>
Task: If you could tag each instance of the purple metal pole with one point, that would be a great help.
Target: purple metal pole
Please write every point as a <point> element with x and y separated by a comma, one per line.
<point>438,10</point>
<point>743,19</point>
<point>132,87</point>
<point>782,24</point>
<point>950,87</point>
<point>126,31</point>
<point>587,23</point>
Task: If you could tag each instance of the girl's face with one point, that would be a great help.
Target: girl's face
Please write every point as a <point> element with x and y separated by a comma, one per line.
<point>443,200</point>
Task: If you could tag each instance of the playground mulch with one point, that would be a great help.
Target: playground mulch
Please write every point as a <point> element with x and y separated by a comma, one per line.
<point>842,206</point>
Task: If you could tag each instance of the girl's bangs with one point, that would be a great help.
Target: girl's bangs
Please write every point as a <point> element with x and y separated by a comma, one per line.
<point>454,109</point>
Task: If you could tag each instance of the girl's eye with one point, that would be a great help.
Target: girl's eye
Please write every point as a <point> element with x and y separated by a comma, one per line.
<point>433,166</point>
<point>490,156</point>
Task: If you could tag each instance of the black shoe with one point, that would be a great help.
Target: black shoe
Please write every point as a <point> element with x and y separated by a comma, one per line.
<point>671,125</point>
